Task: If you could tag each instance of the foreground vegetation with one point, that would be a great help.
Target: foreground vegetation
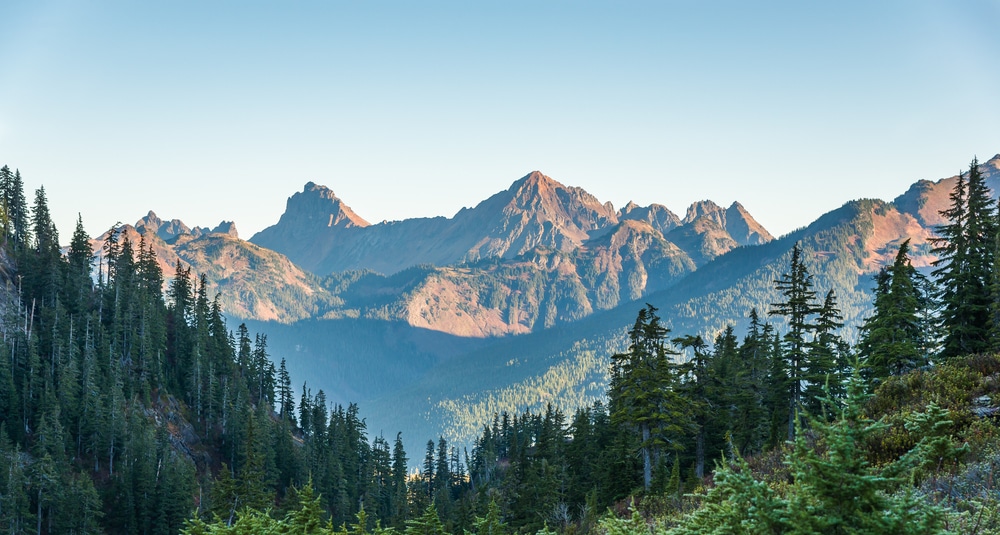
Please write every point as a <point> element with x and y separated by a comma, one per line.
<point>124,410</point>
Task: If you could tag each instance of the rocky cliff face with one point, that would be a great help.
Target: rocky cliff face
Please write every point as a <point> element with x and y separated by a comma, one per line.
<point>533,256</point>
<point>545,286</point>
<point>926,199</point>
<point>735,221</point>
<point>315,223</point>
<point>658,216</point>
<point>253,282</point>
<point>536,211</point>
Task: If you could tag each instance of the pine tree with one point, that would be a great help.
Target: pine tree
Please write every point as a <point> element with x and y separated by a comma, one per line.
<point>643,392</point>
<point>966,247</point>
<point>429,523</point>
<point>427,473</point>
<point>829,358</point>
<point>799,306</point>
<point>833,490</point>
<point>285,392</point>
<point>80,263</point>
<point>43,263</point>
<point>697,388</point>
<point>894,339</point>
<point>752,425</point>
<point>399,510</point>
<point>492,523</point>
<point>15,210</point>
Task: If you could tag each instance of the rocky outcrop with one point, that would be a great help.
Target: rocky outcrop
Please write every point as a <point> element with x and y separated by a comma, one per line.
<point>925,199</point>
<point>253,282</point>
<point>658,216</point>
<point>319,233</point>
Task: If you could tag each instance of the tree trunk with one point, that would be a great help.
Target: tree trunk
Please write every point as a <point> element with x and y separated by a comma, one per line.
<point>699,453</point>
<point>791,419</point>
<point>647,462</point>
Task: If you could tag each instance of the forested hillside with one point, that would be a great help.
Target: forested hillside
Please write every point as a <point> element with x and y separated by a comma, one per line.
<point>458,380</point>
<point>567,365</point>
<point>127,408</point>
<point>806,432</point>
<point>124,409</point>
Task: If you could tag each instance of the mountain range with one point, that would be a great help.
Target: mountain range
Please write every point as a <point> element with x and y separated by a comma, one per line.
<point>320,233</point>
<point>520,300</point>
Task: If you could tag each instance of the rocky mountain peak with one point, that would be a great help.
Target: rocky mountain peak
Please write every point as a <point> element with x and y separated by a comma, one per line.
<point>628,208</point>
<point>926,199</point>
<point>226,227</point>
<point>534,190</point>
<point>658,216</point>
<point>993,163</point>
<point>314,223</point>
<point>168,231</point>
<point>705,209</point>
<point>537,190</point>
<point>318,206</point>
<point>743,227</point>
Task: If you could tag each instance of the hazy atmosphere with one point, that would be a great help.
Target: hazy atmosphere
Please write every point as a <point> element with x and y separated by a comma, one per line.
<point>441,314</point>
<point>221,110</point>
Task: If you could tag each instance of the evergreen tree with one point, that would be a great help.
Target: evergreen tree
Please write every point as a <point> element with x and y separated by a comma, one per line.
<point>833,490</point>
<point>697,388</point>
<point>429,523</point>
<point>966,248</point>
<point>799,306</point>
<point>43,263</point>
<point>427,473</point>
<point>751,424</point>
<point>15,210</point>
<point>80,263</point>
<point>492,523</point>
<point>285,393</point>
<point>399,511</point>
<point>829,356</point>
<point>643,394</point>
<point>894,339</point>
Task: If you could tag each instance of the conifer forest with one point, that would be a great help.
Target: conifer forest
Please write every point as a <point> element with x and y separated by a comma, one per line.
<point>129,405</point>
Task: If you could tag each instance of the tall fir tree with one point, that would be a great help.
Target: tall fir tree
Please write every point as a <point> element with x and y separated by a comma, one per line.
<point>966,248</point>
<point>15,210</point>
<point>829,355</point>
<point>798,308</point>
<point>644,395</point>
<point>894,338</point>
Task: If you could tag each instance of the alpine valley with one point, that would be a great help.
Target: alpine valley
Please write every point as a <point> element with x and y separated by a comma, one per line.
<point>434,325</point>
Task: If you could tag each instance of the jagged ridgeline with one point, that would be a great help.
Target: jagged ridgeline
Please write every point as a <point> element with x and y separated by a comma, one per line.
<point>471,379</point>
<point>418,313</point>
<point>127,404</point>
<point>120,379</point>
<point>892,435</point>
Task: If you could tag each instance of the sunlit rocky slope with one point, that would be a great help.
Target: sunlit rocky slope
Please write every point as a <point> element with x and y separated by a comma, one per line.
<point>421,315</point>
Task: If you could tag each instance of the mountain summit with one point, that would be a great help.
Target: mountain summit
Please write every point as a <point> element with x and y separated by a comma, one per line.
<point>321,234</point>
<point>311,226</point>
<point>535,211</point>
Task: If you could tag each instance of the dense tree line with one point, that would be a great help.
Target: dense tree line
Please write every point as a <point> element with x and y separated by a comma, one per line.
<point>673,401</point>
<point>125,408</point>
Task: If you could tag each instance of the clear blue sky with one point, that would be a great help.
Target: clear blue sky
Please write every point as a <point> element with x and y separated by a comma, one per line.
<point>217,110</point>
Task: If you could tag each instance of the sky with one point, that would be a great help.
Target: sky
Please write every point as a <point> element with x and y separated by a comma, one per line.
<point>221,110</point>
